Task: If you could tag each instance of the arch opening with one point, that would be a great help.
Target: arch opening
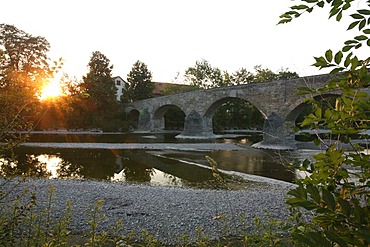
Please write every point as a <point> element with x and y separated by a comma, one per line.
<point>169,117</point>
<point>298,114</point>
<point>133,119</point>
<point>233,113</point>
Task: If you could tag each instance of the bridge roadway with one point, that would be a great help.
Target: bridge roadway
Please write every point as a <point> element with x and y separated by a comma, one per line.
<point>276,100</point>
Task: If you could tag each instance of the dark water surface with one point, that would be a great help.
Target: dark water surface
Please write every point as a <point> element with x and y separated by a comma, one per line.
<point>157,167</point>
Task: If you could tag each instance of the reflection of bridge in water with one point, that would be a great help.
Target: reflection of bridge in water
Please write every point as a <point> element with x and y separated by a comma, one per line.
<point>276,100</point>
<point>175,168</point>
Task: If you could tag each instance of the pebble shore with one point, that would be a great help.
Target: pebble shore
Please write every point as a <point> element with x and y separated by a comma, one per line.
<point>167,213</point>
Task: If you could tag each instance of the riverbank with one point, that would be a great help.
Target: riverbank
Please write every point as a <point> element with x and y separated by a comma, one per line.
<point>167,213</point>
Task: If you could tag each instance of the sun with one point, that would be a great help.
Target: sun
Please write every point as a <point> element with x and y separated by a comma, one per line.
<point>51,90</point>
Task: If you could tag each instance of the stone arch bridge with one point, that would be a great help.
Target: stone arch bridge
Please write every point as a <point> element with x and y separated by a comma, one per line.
<point>276,100</point>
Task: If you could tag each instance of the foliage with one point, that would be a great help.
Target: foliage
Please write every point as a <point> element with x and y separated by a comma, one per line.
<point>242,76</point>
<point>203,75</point>
<point>140,85</point>
<point>24,68</point>
<point>237,114</point>
<point>337,190</point>
<point>25,221</point>
<point>96,100</point>
<point>98,82</point>
<point>264,74</point>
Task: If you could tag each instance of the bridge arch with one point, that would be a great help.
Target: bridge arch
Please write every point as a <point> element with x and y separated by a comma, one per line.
<point>299,109</point>
<point>168,117</point>
<point>234,112</point>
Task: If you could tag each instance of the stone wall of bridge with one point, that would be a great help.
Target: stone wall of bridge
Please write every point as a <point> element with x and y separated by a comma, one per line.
<point>277,101</point>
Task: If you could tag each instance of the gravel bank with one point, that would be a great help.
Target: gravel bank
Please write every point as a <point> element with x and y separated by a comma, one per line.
<point>165,212</point>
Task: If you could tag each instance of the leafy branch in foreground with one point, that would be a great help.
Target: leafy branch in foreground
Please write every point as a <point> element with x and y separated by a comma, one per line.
<point>337,190</point>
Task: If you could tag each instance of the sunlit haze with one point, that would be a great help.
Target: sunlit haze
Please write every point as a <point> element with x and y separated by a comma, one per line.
<point>51,90</point>
<point>170,36</point>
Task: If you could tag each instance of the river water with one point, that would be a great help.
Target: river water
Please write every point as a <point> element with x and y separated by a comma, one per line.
<point>171,166</point>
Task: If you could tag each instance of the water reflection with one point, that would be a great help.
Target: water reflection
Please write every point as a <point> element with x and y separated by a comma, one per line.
<point>164,167</point>
<point>265,163</point>
<point>135,166</point>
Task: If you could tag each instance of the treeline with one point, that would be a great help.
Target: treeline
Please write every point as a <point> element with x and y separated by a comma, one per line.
<point>91,103</point>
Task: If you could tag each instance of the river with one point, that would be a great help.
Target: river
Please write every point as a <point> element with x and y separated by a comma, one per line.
<point>159,159</point>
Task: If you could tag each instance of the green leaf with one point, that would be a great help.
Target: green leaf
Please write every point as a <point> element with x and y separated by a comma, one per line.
<point>366,31</point>
<point>333,11</point>
<point>347,62</point>
<point>302,6</point>
<point>368,42</point>
<point>364,11</point>
<point>345,207</point>
<point>328,198</point>
<point>306,163</point>
<point>349,42</point>
<point>321,4</point>
<point>364,232</point>
<point>300,202</point>
<point>284,21</point>
<point>318,113</point>
<point>352,25</point>
<point>298,192</point>
<point>362,25</point>
<point>339,16</point>
<point>292,13</point>
<point>361,37</point>
<point>316,142</point>
<point>310,1</point>
<point>346,6</point>
<point>354,62</point>
<point>314,193</point>
<point>358,45</point>
<point>320,62</point>
<point>319,239</point>
<point>329,55</point>
<point>338,57</point>
<point>285,15</point>
<point>337,3</point>
<point>335,238</point>
<point>336,70</point>
<point>357,16</point>
<point>347,48</point>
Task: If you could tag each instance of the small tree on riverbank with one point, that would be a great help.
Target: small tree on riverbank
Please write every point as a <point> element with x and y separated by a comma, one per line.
<point>337,191</point>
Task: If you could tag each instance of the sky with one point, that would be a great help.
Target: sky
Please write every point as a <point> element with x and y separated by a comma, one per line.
<point>169,36</point>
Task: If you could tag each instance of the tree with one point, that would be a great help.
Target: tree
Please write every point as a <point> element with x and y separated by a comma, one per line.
<point>24,67</point>
<point>98,82</point>
<point>264,74</point>
<point>337,191</point>
<point>101,107</point>
<point>203,75</point>
<point>140,85</point>
<point>242,76</point>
